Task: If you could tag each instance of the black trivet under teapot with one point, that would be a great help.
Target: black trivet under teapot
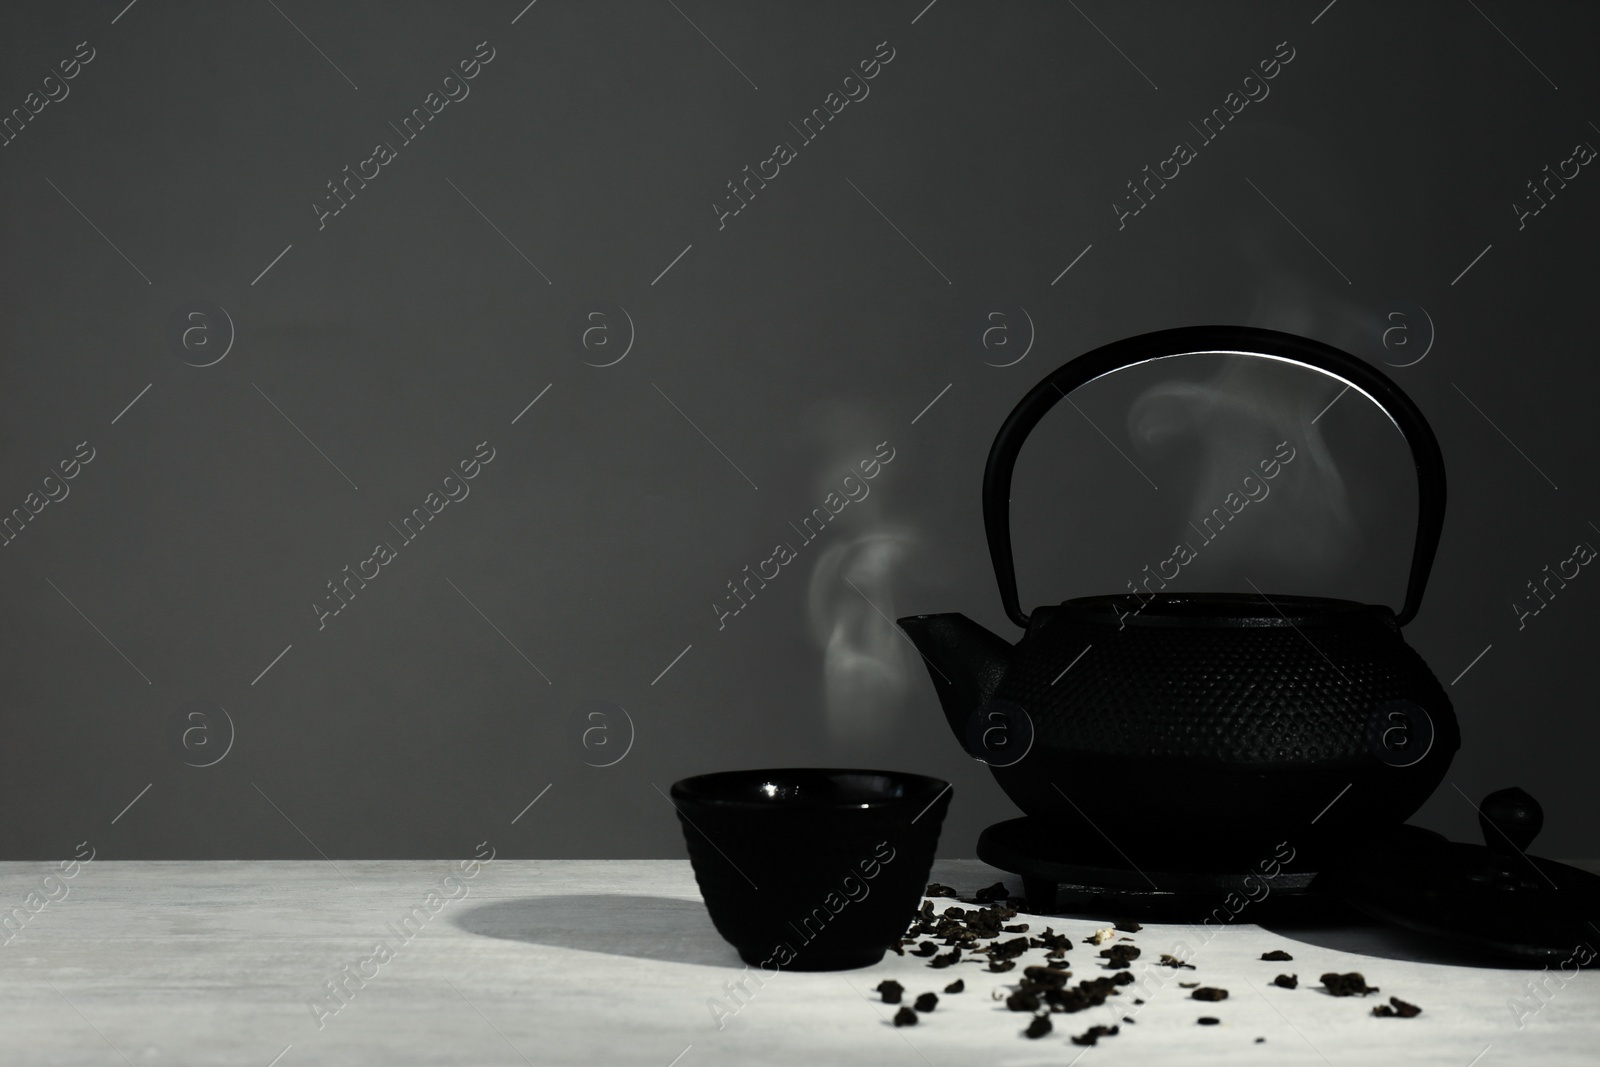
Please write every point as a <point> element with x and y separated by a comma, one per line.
<point>1193,726</point>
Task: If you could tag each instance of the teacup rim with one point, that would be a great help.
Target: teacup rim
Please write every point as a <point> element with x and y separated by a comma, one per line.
<point>919,788</point>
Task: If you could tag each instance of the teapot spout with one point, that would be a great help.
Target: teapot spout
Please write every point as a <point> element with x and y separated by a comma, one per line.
<point>965,661</point>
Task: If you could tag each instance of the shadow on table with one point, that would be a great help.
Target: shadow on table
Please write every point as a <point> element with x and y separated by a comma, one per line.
<point>1367,937</point>
<point>652,928</point>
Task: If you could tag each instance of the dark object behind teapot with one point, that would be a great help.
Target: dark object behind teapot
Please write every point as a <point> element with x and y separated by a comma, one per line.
<point>1195,723</point>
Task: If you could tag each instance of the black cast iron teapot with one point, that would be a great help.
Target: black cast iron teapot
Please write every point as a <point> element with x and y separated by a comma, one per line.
<point>1193,723</point>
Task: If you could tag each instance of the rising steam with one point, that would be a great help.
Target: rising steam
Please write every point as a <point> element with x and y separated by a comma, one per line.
<point>868,666</point>
<point>866,663</point>
<point>1233,421</point>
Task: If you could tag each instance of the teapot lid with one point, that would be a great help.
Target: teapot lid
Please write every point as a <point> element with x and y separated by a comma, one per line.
<point>1206,610</point>
<point>1492,898</point>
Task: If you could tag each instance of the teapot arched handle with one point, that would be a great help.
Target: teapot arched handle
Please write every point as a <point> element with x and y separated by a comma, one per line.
<point>1229,340</point>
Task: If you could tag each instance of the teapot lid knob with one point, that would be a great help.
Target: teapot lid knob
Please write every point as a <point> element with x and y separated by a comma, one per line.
<point>1497,899</point>
<point>1510,820</point>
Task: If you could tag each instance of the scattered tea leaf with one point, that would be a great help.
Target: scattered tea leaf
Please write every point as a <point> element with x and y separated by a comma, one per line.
<point>905,1017</point>
<point>1058,944</point>
<point>1287,981</point>
<point>1277,955</point>
<point>1397,1008</point>
<point>1094,1034</point>
<point>957,986</point>
<point>1347,985</point>
<point>890,991</point>
<point>1204,1020</point>
<point>1128,926</point>
<point>1022,1001</point>
<point>927,1002</point>
<point>1048,977</point>
<point>1210,993</point>
<point>1008,950</point>
<point>1040,1026</point>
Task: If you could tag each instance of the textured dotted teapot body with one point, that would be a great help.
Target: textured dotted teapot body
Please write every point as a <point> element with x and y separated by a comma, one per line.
<point>1189,722</point>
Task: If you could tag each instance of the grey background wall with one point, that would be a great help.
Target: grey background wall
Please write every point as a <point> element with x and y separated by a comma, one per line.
<point>948,238</point>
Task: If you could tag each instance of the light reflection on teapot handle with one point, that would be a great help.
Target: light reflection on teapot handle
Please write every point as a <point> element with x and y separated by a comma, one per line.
<point>1215,340</point>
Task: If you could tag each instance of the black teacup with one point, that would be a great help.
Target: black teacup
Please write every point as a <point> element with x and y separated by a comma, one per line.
<point>811,869</point>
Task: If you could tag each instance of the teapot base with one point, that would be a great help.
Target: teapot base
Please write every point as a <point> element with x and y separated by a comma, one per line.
<point>1090,876</point>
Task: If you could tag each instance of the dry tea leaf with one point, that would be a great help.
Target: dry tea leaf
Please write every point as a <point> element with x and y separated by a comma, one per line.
<point>1277,955</point>
<point>1094,1034</point>
<point>905,1017</point>
<point>956,987</point>
<point>1287,981</point>
<point>927,1002</point>
<point>1021,1001</point>
<point>1347,985</point>
<point>1204,1020</point>
<point>1089,993</point>
<point>1040,1026</point>
<point>890,991</point>
<point>1057,944</point>
<point>1008,950</point>
<point>1398,1009</point>
<point>1046,977</point>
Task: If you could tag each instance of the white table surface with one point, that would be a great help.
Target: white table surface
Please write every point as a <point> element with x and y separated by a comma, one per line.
<point>613,963</point>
